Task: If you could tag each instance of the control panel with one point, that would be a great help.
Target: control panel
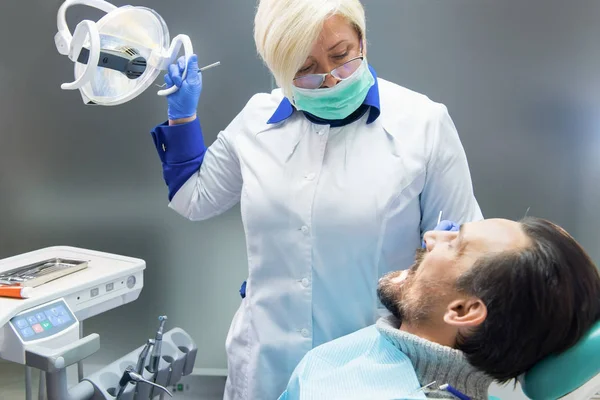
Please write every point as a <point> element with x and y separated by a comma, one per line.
<point>44,321</point>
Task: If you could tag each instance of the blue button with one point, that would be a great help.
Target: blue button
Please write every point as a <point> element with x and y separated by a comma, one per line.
<point>40,316</point>
<point>27,332</point>
<point>32,320</point>
<point>60,320</point>
<point>48,314</point>
<point>54,320</point>
<point>61,311</point>
<point>66,318</point>
<point>22,323</point>
<point>54,311</point>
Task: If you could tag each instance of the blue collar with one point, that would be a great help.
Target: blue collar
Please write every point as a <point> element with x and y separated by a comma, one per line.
<point>285,109</point>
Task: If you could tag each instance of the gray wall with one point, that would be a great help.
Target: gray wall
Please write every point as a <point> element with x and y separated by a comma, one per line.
<point>520,78</point>
<point>517,78</point>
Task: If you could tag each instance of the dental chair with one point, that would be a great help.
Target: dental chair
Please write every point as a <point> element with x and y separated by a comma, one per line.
<point>572,375</point>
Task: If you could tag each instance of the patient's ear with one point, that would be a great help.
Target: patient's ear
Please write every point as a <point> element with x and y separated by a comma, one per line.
<point>465,313</point>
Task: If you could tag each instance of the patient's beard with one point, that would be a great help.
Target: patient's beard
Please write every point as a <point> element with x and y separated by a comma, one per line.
<point>390,289</point>
<point>410,301</point>
<point>417,304</point>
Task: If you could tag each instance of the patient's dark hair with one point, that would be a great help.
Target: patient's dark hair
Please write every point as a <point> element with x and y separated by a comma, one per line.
<point>541,300</point>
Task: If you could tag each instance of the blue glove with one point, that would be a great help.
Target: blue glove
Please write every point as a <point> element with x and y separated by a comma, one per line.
<point>444,226</point>
<point>447,226</point>
<point>184,102</point>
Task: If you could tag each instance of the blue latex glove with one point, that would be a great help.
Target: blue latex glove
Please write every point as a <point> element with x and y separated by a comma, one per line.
<point>447,226</point>
<point>184,102</point>
<point>444,225</point>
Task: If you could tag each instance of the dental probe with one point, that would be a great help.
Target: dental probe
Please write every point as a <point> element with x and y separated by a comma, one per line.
<point>200,70</point>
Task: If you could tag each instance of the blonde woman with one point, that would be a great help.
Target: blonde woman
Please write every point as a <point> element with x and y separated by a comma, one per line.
<point>339,174</point>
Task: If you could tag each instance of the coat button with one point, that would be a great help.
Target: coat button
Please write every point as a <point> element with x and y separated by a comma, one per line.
<point>305,282</point>
<point>305,333</point>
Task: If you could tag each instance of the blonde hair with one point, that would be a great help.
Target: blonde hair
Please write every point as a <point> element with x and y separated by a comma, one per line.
<point>286,30</point>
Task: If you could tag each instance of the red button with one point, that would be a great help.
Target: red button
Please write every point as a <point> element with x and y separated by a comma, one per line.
<point>38,328</point>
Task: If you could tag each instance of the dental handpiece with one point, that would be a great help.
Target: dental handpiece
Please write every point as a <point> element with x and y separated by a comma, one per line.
<point>124,381</point>
<point>141,363</point>
<point>155,356</point>
<point>139,368</point>
<point>131,376</point>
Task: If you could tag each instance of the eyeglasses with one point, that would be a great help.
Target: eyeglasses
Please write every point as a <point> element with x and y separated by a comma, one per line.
<point>315,81</point>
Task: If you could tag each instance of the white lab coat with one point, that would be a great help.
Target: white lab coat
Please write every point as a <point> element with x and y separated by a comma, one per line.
<point>326,212</point>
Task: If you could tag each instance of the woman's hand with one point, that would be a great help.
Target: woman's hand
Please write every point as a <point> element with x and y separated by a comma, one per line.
<point>447,226</point>
<point>183,103</point>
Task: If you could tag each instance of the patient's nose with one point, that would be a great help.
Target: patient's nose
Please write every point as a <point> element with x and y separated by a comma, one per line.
<point>434,238</point>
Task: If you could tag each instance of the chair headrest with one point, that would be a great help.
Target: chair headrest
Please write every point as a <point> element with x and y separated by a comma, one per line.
<point>559,375</point>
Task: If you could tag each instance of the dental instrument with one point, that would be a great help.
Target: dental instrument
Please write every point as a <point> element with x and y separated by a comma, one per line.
<point>131,376</point>
<point>9,281</point>
<point>124,382</point>
<point>210,66</point>
<point>199,70</point>
<point>156,349</point>
<point>423,244</point>
<point>422,388</point>
<point>454,392</point>
<point>141,363</point>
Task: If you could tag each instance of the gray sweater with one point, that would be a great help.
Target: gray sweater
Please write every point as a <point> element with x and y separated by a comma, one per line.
<point>434,362</point>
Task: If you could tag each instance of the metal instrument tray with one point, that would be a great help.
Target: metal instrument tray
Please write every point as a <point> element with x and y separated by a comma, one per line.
<point>41,272</point>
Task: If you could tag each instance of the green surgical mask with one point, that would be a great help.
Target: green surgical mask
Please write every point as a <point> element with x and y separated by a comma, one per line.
<point>337,102</point>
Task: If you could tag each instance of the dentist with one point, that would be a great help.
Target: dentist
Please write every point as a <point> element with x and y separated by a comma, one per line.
<point>339,173</point>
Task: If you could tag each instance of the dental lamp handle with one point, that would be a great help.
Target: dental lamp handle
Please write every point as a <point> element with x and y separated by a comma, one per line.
<point>84,30</point>
<point>63,37</point>
<point>176,44</point>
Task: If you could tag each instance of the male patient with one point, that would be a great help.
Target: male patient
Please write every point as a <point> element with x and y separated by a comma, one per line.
<point>485,303</point>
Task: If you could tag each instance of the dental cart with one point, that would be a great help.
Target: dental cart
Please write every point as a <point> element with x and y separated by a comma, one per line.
<point>44,331</point>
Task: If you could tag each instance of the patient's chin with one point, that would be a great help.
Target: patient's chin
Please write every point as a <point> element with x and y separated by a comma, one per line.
<point>401,277</point>
<point>390,292</point>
